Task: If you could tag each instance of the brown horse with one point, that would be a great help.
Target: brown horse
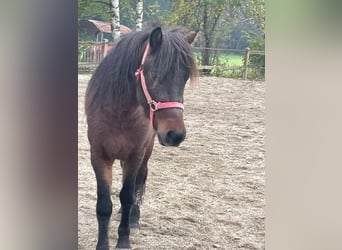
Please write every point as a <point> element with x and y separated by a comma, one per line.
<point>134,94</point>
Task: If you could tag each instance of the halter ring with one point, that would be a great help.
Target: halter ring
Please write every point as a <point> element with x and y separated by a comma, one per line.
<point>154,105</point>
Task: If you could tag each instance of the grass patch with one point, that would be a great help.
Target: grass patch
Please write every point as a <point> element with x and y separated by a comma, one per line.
<point>230,60</point>
<point>222,59</point>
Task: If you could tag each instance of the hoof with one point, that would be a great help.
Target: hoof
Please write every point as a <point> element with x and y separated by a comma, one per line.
<point>134,228</point>
<point>123,245</point>
<point>134,224</point>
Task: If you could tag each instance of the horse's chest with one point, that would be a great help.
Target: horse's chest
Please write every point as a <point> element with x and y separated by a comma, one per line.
<point>127,140</point>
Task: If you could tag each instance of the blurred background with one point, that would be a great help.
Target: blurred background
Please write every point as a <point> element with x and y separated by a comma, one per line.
<point>232,33</point>
<point>38,128</point>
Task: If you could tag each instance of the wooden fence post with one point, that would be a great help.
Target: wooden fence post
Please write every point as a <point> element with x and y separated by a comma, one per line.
<point>245,63</point>
<point>105,48</point>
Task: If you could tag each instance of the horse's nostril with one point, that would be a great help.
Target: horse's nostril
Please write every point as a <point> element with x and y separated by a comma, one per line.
<point>174,138</point>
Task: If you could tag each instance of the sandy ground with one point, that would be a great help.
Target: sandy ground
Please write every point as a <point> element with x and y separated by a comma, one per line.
<point>207,194</point>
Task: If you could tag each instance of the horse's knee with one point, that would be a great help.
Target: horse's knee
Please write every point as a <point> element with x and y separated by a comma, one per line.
<point>126,196</point>
<point>104,205</point>
<point>104,209</point>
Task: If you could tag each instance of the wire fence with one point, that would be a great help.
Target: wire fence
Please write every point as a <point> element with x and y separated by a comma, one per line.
<point>234,63</point>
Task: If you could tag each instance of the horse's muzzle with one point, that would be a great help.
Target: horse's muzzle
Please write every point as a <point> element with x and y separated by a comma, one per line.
<point>171,138</point>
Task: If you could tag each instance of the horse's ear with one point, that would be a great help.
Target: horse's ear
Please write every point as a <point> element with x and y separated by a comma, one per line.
<point>156,39</point>
<point>190,37</point>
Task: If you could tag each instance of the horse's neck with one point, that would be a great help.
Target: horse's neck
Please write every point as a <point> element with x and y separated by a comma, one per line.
<point>130,117</point>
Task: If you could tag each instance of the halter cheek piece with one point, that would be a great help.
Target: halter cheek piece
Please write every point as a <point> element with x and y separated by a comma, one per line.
<point>154,105</point>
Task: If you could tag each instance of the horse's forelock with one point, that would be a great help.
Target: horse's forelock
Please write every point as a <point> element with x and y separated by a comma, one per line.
<point>176,53</point>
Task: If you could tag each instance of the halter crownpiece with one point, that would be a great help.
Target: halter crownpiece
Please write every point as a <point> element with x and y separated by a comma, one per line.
<point>154,105</point>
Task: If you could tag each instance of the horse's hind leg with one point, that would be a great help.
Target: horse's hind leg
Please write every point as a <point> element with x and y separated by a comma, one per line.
<point>103,172</point>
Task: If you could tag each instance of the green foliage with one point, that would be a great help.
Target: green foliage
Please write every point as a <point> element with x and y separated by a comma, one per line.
<point>252,73</point>
<point>222,62</point>
<point>230,24</point>
<point>227,60</point>
<point>100,10</point>
<point>255,9</point>
<point>200,14</point>
<point>257,62</point>
<point>222,59</point>
<point>82,49</point>
<point>127,13</point>
<point>94,9</point>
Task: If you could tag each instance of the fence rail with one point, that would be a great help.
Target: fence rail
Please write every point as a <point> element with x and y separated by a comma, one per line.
<point>92,53</point>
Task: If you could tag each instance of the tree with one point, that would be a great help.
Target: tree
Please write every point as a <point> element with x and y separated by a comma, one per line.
<point>139,11</point>
<point>94,9</point>
<point>200,14</point>
<point>250,17</point>
<point>221,21</point>
<point>254,12</point>
<point>115,19</point>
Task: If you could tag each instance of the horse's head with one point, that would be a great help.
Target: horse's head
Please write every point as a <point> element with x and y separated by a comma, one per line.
<point>167,65</point>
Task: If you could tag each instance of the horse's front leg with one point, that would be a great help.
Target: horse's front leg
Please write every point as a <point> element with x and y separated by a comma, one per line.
<point>103,172</point>
<point>127,198</point>
<point>140,187</point>
<point>139,191</point>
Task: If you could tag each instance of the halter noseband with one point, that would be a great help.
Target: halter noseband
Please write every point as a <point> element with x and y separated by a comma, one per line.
<point>154,105</point>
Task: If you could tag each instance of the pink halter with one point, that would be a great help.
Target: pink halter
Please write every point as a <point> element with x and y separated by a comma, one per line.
<point>154,105</point>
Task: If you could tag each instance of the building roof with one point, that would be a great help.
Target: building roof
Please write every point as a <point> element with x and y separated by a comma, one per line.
<point>106,27</point>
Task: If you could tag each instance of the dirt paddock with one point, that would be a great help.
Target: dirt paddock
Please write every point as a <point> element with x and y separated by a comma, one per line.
<point>207,194</point>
